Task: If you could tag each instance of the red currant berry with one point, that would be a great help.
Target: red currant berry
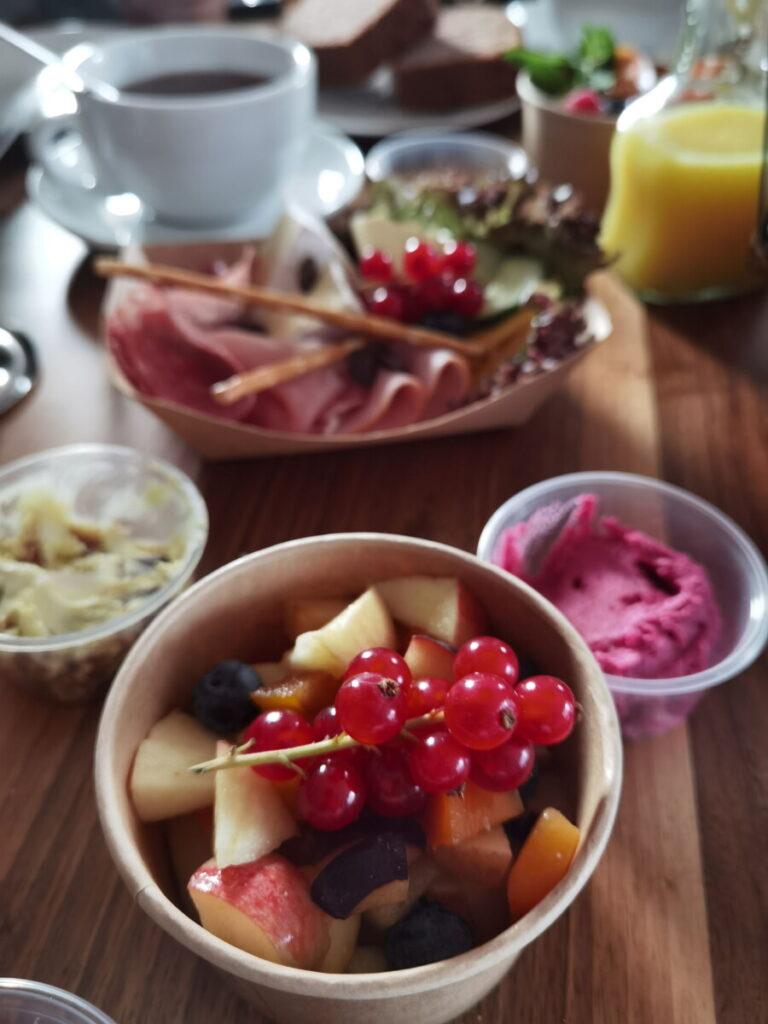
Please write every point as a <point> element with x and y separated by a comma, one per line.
<point>385,302</point>
<point>437,762</point>
<point>371,707</point>
<point>481,711</point>
<point>583,101</point>
<point>376,264</point>
<point>487,654</point>
<point>413,305</point>
<point>382,660</point>
<point>547,709</point>
<point>332,795</point>
<point>436,293</point>
<point>425,695</point>
<point>468,298</point>
<point>326,724</point>
<point>504,768</point>
<point>391,790</point>
<point>277,730</point>
<point>420,259</point>
<point>460,257</point>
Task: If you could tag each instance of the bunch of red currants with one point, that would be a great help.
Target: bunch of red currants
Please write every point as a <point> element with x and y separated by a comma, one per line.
<point>417,736</point>
<point>434,281</point>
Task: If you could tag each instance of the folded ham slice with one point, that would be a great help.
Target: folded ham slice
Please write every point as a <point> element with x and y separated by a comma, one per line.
<point>175,344</point>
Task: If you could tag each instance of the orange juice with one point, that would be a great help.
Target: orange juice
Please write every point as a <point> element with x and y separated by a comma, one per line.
<point>683,204</point>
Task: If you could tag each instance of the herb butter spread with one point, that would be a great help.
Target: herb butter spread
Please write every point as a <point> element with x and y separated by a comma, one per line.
<point>60,575</point>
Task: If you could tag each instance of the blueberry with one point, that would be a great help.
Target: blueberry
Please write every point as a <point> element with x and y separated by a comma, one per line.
<point>518,829</point>
<point>448,322</point>
<point>431,932</point>
<point>222,698</point>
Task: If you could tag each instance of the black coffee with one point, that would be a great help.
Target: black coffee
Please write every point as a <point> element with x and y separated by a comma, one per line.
<point>193,83</point>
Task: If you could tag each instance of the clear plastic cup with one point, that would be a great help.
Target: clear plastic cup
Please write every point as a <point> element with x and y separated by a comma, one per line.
<point>684,522</point>
<point>102,484</point>
<point>32,1002</point>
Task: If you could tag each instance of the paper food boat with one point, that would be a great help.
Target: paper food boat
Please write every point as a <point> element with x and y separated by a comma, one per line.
<point>217,438</point>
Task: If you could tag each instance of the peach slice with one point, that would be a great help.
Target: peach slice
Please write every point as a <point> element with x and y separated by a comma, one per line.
<point>342,935</point>
<point>263,908</point>
<point>453,818</point>
<point>485,858</point>
<point>306,691</point>
<point>440,606</point>
<point>543,860</point>
<point>161,785</point>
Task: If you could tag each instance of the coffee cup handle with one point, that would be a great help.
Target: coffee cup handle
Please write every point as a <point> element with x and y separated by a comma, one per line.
<point>57,145</point>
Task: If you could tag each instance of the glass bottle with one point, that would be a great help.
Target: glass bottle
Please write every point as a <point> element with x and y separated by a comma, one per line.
<point>686,163</point>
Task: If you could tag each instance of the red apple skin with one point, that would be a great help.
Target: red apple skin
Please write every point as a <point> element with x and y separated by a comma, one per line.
<point>263,907</point>
<point>428,657</point>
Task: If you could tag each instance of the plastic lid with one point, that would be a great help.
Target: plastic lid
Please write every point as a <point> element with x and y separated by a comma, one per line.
<point>32,1002</point>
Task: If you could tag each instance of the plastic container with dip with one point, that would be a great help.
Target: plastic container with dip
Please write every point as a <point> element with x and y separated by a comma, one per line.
<point>31,1002</point>
<point>685,523</point>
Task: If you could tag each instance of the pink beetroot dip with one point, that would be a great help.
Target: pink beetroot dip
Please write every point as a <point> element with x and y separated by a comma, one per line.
<point>645,610</point>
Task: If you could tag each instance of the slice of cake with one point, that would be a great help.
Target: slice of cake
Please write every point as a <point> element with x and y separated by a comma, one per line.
<point>353,37</point>
<point>462,63</point>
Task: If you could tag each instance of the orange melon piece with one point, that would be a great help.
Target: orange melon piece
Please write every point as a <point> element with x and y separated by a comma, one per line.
<point>306,691</point>
<point>485,858</point>
<point>543,860</point>
<point>453,818</point>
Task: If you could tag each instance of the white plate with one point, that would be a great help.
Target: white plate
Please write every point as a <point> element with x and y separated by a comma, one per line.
<point>370,110</point>
<point>330,176</point>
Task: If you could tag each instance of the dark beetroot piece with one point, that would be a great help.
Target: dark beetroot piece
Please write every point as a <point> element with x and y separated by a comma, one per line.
<point>357,871</point>
<point>431,932</point>
<point>313,845</point>
<point>222,697</point>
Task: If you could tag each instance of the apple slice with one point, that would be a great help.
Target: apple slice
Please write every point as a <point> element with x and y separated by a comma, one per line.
<point>263,908</point>
<point>428,657</point>
<point>362,624</point>
<point>309,613</point>
<point>250,818</point>
<point>190,842</point>
<point>439,606</point>
<point>343,940</point>
<point>161,785</point>
<point>368,960</point>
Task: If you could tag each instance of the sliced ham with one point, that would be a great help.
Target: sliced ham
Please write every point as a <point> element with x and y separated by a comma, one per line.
<point>175,344</point>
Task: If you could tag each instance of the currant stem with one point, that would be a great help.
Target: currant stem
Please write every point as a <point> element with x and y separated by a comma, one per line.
<point>237,757</point>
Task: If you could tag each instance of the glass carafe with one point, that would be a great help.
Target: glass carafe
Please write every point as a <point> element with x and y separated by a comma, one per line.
<point>686,163</point>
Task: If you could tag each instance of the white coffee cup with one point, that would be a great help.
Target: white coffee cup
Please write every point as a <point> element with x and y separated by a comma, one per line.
<point>197,159</point>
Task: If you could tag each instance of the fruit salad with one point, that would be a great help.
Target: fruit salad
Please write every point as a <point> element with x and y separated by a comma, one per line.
<point>368,802</point>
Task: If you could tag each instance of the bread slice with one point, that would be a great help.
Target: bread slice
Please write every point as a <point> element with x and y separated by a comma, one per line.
<point>462,63</point>
<point>353,37</point>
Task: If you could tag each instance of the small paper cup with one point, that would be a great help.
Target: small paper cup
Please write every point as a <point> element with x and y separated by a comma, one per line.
<point>232,613</point>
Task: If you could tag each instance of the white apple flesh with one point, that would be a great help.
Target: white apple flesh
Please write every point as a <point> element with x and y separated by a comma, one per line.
<point>161,784</point>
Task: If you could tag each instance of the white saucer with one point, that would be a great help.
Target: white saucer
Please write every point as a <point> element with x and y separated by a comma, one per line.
<point>329,177</point>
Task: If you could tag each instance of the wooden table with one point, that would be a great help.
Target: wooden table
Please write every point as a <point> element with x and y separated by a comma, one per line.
<point>673,928</point>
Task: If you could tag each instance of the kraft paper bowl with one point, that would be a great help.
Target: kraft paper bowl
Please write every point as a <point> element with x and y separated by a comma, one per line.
<point>232,613</point>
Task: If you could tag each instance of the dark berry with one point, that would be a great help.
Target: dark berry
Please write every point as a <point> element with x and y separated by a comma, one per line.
<point>222,697</point>
<point>431,932</point>
<point>449,323</point>
<point>518,829</point>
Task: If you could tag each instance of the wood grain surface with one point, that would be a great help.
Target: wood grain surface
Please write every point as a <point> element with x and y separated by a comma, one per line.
<point>673,928</point>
